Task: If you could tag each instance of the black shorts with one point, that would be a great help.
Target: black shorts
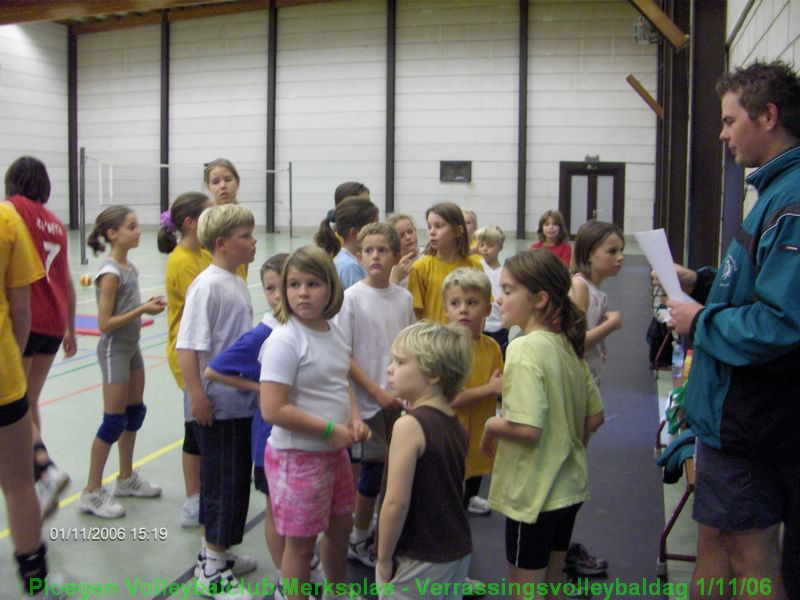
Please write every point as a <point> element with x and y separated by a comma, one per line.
<point>260,479</point>
<point>528,545</point>
<point>13,411</point>
<point>39,343</point>
<point>190,445</point>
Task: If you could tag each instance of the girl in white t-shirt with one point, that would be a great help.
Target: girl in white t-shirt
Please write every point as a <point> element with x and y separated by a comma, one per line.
<point>598,255</point>
<point>306,395</point>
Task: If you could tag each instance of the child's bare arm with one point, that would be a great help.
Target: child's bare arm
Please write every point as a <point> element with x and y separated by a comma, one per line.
<point>202,410</point>
<point>612,320</point>
<point>498,427</point>
<point>591,424</point>
<point>240,383</point>
<point>490,389</point>
<point>359,430</point>
<point>19,308</point>
<point>276,409</point>
<point>108,322</point>
<point>408,444</point>
<point>384,398</point>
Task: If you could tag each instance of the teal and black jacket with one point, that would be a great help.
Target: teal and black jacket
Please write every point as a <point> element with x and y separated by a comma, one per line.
<point>743,395</point>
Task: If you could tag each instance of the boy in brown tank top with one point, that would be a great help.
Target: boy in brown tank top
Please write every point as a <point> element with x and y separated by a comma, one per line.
<point>424,543</point>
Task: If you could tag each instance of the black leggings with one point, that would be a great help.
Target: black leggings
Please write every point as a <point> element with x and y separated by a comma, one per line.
<point>471,488</point>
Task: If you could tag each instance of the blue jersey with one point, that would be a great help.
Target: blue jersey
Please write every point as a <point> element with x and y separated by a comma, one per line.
<point>241,360</point>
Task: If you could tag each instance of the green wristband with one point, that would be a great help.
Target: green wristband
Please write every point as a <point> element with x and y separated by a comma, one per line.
<point>328,430</point>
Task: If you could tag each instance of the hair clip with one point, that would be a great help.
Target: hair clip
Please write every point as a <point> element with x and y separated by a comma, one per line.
<point>166,222</point>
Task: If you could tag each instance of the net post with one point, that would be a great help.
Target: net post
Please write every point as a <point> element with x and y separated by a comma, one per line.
<point>291,208</point>
<point>82,203</point>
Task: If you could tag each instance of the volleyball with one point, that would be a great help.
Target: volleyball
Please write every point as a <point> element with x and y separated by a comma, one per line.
<point>86,280</point>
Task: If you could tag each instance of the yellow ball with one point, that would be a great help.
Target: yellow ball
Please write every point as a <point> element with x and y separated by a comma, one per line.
<point>86,280</point>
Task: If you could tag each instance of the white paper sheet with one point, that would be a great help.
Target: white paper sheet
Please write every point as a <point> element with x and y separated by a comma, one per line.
<point>656,249</point>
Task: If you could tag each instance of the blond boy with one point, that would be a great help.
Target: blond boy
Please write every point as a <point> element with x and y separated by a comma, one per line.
<point>373,313</point>
<point>218,310</point>
<point>424,532</point>
<point>467,301</point>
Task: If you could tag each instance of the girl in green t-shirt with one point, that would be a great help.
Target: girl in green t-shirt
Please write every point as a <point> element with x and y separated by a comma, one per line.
<point>550,407</point>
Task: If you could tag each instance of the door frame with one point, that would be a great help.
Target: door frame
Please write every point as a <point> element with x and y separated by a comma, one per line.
<point>567,169</point>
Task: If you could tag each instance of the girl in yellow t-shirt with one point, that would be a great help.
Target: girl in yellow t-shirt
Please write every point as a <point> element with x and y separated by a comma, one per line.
<point>550,407</point>
<point>186,260</point>
<point>447,250</point>
<point>20,266</point>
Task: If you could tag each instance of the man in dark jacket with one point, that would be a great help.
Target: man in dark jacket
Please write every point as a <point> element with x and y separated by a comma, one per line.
<point>742,396</point>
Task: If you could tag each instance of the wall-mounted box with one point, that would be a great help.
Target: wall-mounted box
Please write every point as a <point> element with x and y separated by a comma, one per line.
<point>458,171</point>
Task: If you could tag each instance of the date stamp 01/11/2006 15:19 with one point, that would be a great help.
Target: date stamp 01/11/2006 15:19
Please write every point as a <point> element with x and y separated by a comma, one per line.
<point>108,534</point>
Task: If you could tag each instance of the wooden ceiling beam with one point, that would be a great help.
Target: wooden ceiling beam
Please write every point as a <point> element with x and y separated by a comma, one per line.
<point>653,13</point>
<point>119,14</point>
<point>217,9</point>
<point>113,23</point>
<point>25,11</point>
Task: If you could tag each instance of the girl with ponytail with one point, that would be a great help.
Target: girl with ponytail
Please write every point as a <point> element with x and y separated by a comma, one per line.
<point>338,236</point>
<point>187,259</point>
<point>550,407</point>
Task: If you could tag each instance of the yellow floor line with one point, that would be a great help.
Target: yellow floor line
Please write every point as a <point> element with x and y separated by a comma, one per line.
<point>142,461</point>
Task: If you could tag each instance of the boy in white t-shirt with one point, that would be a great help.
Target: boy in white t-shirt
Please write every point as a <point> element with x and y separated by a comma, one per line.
<point>490,242</point>
<point>218,310</point>
<point>374,312</point>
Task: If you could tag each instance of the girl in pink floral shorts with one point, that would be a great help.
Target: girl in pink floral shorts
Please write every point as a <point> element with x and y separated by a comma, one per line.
<point>306,395</point>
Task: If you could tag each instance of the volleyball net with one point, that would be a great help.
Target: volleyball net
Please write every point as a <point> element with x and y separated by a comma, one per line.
<point>137,184</point>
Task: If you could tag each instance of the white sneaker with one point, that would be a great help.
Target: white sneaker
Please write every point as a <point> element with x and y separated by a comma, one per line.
<point>221,585</point>
<point>363,552</point>
<point>100,504</point>
<point>315,570</point>
<point>136,485</point>
<point>52,482</point>
<point>478,506</point>
<point>238,564</point>
<point>190,512</point>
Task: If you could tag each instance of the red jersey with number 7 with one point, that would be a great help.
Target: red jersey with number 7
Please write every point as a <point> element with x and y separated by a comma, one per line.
<point>49,295</point>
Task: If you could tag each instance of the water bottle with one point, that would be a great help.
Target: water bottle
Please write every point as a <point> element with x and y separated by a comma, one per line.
<point>677,364</point>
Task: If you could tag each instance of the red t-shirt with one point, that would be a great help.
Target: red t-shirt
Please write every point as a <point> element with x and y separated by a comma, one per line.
<point>562,251</point>
<point>49,305</point>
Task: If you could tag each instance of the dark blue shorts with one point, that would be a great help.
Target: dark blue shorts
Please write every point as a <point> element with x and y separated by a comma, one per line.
<point>735,493</point>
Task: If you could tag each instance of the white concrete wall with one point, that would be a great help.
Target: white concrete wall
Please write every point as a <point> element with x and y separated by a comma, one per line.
<point>33,97</point>
<point>770,31</point>
<point>218,103</point>
<point>119,98</point>
<point>579,104</point>
<point>457,74</point>
<point>331,105</point>
<point>456,99</point>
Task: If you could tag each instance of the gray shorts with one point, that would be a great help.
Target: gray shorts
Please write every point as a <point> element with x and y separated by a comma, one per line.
<point>409,572</point>
<point>380,424</point>
<point>735,493</point>
<point>117,359</point>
